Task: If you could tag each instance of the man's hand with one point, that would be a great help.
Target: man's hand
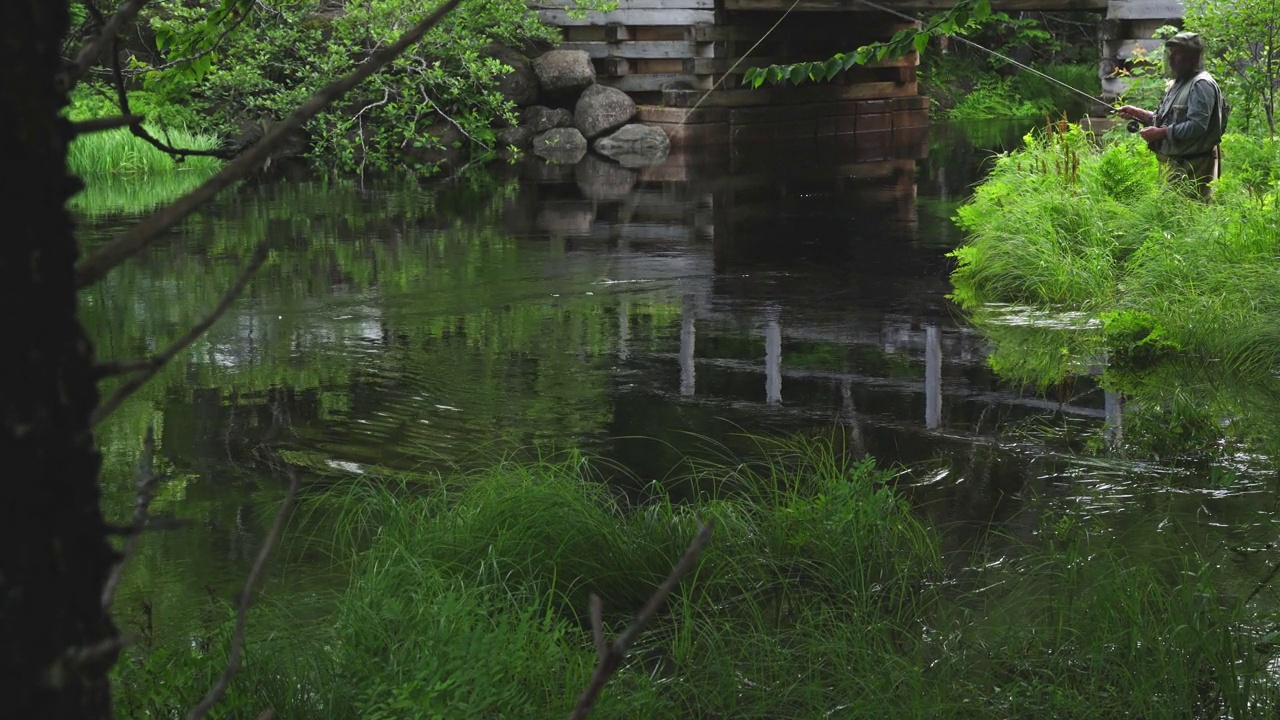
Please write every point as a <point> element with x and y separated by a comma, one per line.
<point>1153,134</point>
<point>1136,113</point>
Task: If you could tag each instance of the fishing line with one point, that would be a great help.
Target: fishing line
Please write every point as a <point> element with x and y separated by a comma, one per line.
<point>735,65</point>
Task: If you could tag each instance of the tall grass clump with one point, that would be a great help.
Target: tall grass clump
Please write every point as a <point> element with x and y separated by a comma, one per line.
<point>821,595</point>
<point>119,152</point>
<point>1071,224</point>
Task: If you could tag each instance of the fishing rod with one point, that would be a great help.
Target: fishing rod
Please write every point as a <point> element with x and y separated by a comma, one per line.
<point>1134,126</point>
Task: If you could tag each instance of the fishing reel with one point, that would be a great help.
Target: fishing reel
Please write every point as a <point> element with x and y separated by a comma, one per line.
<point>1134,126</point>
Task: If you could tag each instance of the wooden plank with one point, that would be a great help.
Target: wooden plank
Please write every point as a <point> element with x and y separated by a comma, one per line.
<point>659,114</point>
<point>646,49</point>
<point>560,18</point>
<point>1144,10</point>
<point>656,81</point>
<point>631,4</point>
<point>655,66</point>
<point>808,93</point>
<point>700,135</point>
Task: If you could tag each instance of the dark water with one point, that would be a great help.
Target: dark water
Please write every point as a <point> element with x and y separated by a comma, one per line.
<point>642,316</point>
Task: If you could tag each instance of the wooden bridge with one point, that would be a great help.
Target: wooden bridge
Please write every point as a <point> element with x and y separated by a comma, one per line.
<point>669,54</point>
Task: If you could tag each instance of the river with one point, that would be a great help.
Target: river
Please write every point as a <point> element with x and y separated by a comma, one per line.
<point>410,326</point>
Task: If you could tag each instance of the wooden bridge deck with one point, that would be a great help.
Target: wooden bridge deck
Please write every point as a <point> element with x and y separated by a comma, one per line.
<point>668,54</point>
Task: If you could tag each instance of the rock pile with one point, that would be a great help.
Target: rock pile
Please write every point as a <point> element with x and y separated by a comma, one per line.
<point>564,112</point>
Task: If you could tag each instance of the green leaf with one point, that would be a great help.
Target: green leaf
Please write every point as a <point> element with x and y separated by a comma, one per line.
<point>797,74</point>
<point>981,10</point>
<point>833,67</point>
<point>921,41</point>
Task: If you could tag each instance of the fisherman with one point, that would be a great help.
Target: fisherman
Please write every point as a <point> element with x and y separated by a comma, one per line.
<point>1186,128</point>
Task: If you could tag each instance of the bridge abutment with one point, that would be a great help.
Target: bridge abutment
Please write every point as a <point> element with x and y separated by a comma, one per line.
<point>683,62</point>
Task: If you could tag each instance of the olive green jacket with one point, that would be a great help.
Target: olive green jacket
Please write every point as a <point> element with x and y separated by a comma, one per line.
<point>1192,112</point>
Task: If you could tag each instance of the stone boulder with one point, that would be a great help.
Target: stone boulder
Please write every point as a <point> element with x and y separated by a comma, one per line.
<point>603,181</point>
<point>520,86</point>
<point>601,109</point>
<point>519,137</point>
<point>563,74</point>
<point>635,145</point>
<point>541,118</point>
<point>560,145</point>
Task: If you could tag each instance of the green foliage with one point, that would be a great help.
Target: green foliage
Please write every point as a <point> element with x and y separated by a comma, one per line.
<point>1243,55</point>
<point>995,97</point>
<point>237,63</point>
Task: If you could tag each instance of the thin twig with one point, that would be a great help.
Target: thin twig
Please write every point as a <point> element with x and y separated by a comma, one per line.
<point>85,127</point>
<point>153,365</point>
<point>246,597</point>
<point>94,48</point>
<point>147,484</point>
<point>612,659</point>
<point>95,266</point>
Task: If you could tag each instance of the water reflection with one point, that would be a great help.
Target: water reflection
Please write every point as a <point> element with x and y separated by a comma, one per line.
<point>637,314</point>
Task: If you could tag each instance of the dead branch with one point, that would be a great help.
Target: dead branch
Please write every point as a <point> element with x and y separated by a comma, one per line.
<point>99,263</point>
<point>611,659</point>
<point>94,48</point>
<point>85,127</point>
<point>147,484</point>
<point>148,368</point>
<point>122,100</point>
<point>246,597</point>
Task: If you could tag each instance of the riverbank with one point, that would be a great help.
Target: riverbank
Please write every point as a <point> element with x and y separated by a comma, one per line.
<point>822,594</point>
<point>1070,225</point>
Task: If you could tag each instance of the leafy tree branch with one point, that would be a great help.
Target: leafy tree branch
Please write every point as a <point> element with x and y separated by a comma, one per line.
<point>965,15</point>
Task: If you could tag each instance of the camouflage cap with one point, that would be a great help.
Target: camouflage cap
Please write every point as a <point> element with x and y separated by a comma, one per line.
<point>1189,40</point>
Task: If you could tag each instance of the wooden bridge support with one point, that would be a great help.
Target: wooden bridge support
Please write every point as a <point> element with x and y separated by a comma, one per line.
<point>673,55</point>
<point>1126,33</point>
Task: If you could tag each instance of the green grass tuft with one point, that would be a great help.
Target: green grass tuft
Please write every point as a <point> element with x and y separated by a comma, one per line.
<point>119,152</point>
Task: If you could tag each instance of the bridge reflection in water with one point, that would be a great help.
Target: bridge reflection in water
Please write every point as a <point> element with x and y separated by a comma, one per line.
<point>811,284</point>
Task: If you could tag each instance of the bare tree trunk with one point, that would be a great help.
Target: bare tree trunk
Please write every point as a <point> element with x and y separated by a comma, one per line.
<point>56,641</point>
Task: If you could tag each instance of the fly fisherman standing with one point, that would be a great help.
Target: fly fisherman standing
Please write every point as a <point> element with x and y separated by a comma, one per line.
<point>1186,128</point>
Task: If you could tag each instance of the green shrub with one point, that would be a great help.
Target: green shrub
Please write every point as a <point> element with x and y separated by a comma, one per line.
<point>286,51</point>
